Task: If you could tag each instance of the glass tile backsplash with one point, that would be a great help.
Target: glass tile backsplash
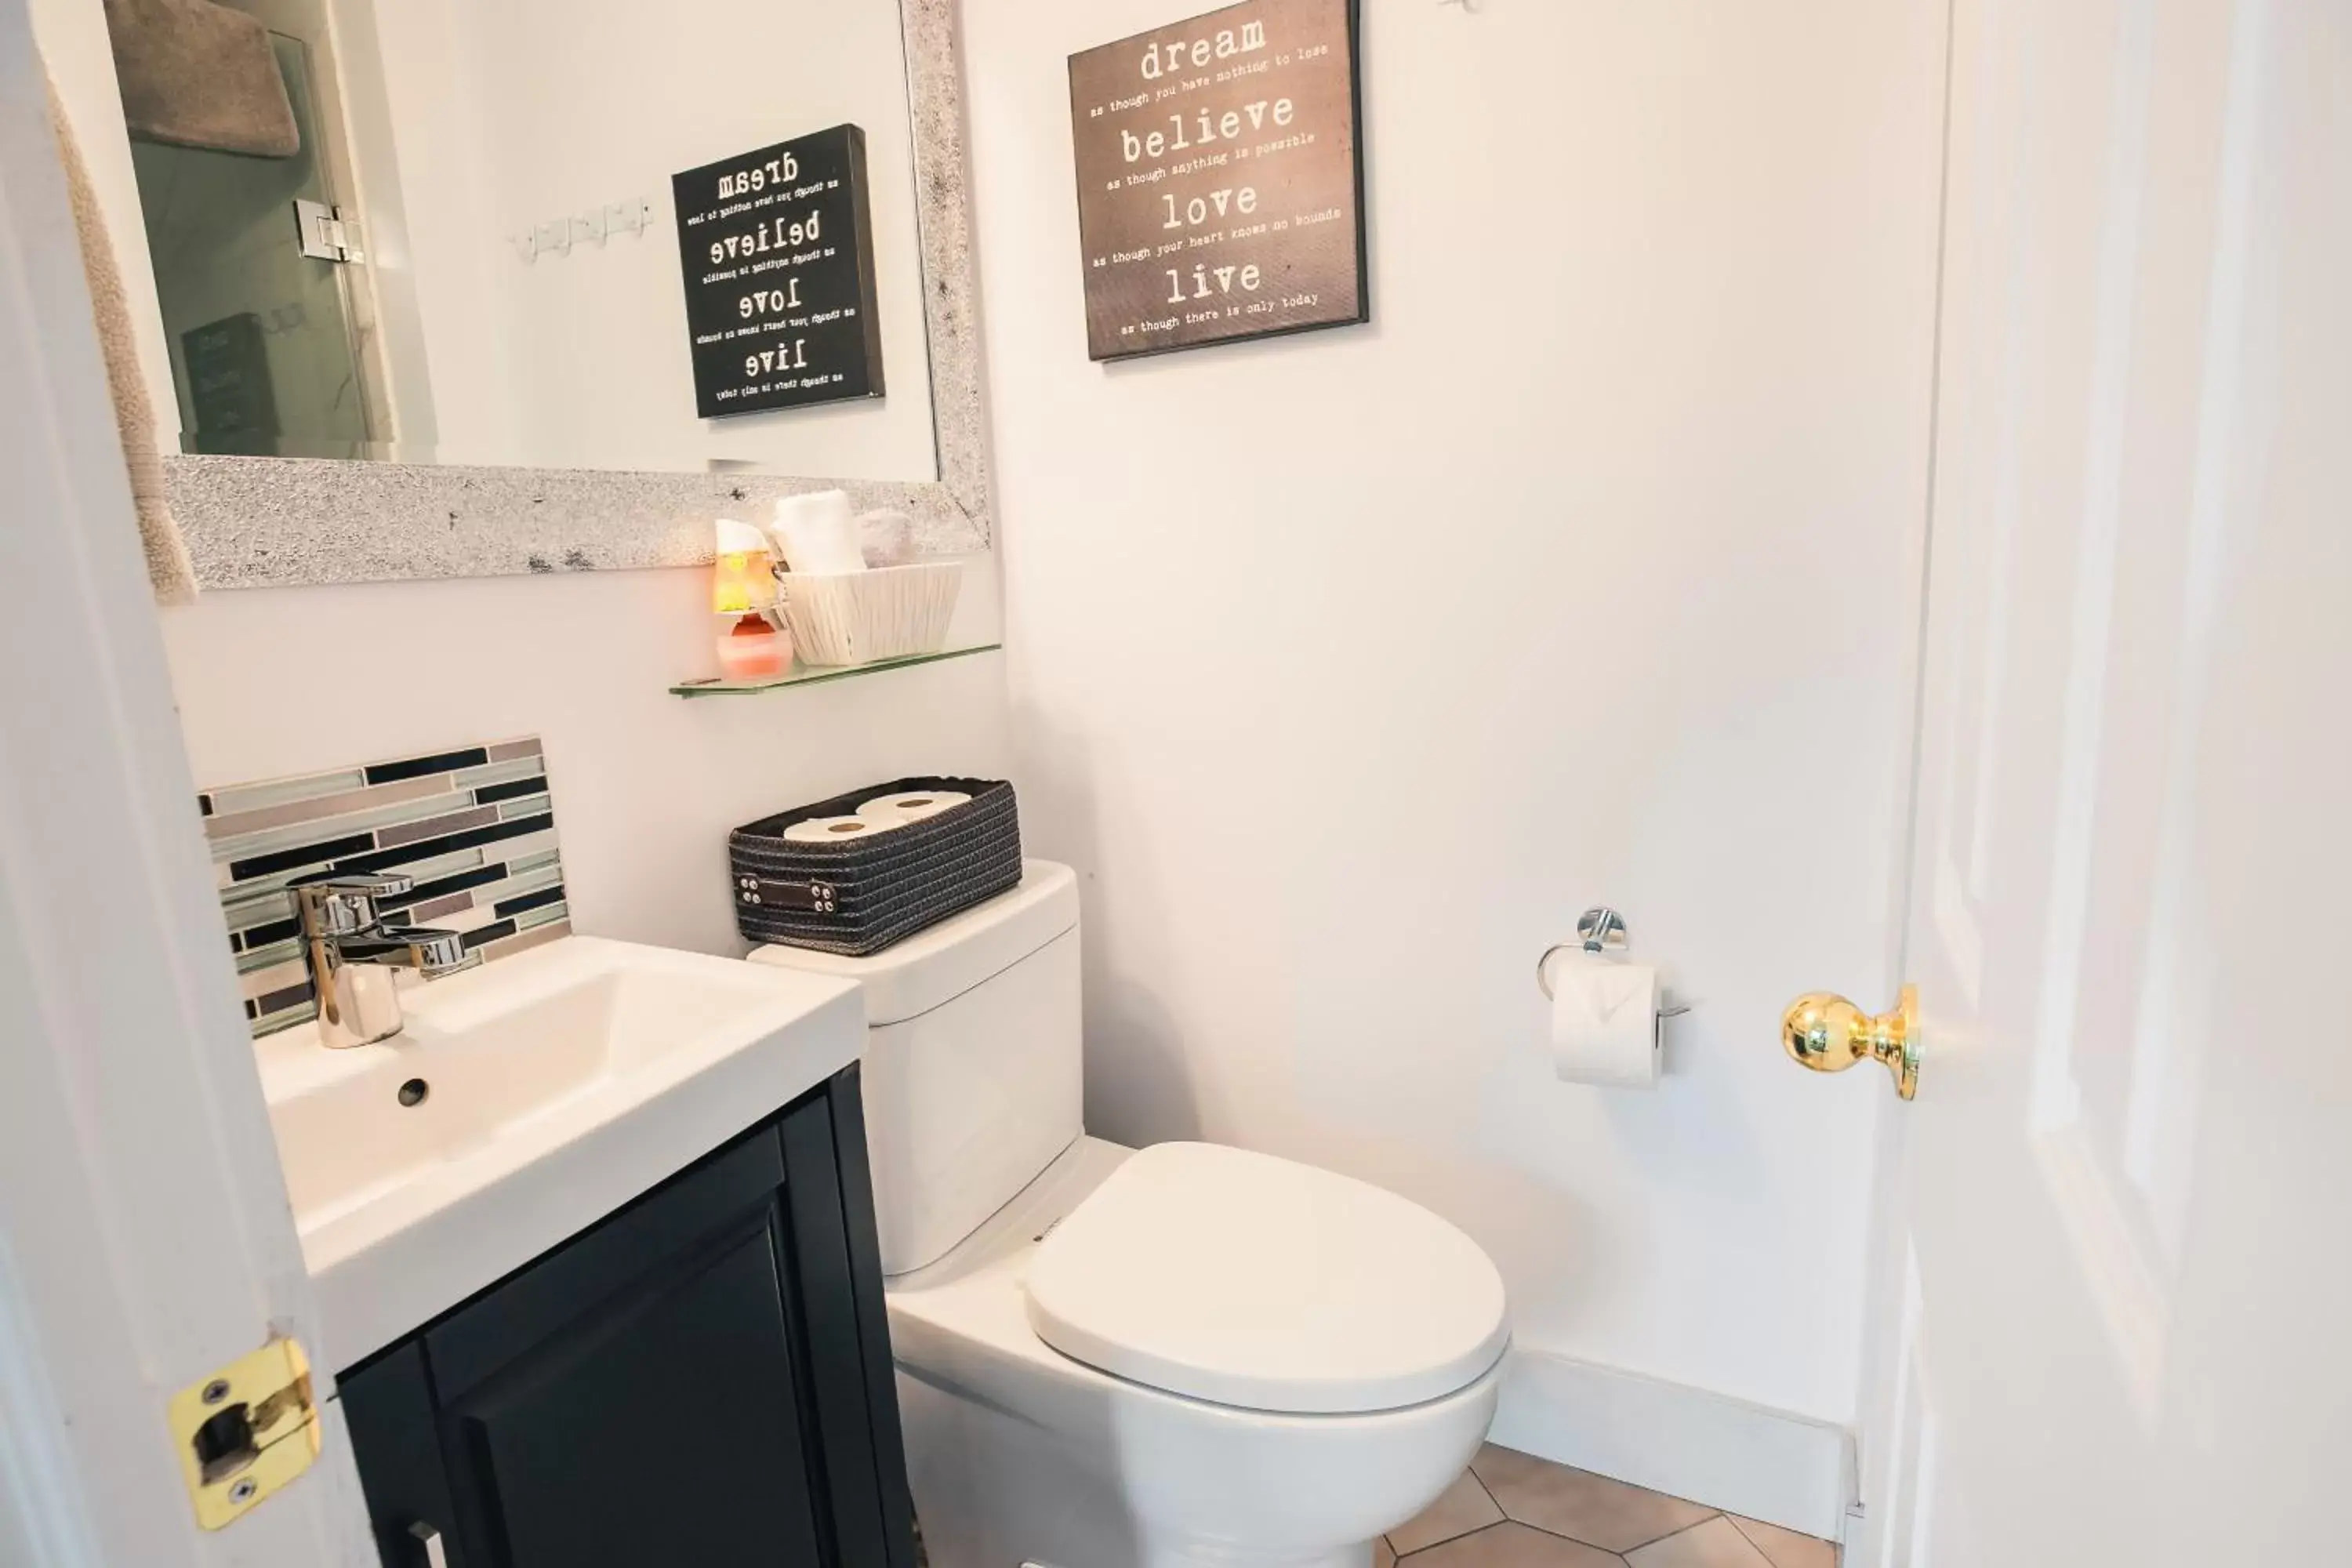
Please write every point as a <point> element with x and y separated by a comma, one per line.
<point>474,828</point>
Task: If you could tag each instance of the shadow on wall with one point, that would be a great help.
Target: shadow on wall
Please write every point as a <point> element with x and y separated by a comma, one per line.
<point>1135,1047</point>
<point>1142,1088</point>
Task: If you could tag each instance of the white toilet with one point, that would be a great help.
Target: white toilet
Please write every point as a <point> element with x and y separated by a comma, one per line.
<point>1182,1354</point>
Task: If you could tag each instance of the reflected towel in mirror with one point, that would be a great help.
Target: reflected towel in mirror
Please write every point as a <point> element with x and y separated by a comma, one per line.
<point>196,74</point>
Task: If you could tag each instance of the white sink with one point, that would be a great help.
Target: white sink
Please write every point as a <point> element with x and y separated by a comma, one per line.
<point>548,1089</point>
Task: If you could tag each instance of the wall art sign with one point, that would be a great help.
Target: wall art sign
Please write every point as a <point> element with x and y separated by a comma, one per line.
<point>777,248</point>
<point>1220,178</point>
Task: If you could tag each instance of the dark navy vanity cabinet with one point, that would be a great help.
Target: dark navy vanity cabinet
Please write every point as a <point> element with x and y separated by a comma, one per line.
<point>701,1380</point>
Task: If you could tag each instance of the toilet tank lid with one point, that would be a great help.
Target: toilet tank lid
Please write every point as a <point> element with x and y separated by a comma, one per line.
<point>941,962</point>
<point>1246,1280</point>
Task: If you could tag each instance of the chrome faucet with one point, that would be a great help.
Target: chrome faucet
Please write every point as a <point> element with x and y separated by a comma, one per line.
<point>352,953</point>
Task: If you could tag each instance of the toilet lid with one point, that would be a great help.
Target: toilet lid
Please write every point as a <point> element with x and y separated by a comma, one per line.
<point>1259,1282</point>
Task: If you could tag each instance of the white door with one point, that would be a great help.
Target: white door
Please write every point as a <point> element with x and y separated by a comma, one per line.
<point>2118,1239</point>
<point>145,1241</point>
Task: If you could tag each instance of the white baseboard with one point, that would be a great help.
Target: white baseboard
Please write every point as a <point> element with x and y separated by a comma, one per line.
<point>1788,1470</point>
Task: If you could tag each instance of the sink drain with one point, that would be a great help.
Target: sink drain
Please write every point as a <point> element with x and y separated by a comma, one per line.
<point>413,1092</point>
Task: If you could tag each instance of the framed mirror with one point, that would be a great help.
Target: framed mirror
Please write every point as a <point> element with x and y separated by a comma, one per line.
<point>463,287</point>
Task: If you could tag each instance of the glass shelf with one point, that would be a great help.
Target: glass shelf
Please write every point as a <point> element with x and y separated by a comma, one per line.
<point>818,674</point>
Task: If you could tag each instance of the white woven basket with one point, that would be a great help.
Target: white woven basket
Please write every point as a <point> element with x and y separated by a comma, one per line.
<point>855,618</point>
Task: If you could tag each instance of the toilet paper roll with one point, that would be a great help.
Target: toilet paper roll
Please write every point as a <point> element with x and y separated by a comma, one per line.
<point>912,806</point>
<point>1605,1021</point>
<point>833,829</point>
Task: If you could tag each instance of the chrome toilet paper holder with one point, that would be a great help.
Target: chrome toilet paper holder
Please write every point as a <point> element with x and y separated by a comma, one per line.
<point>1599,929</point>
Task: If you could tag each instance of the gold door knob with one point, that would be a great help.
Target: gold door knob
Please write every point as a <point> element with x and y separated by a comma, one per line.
<point>1829,1034</point>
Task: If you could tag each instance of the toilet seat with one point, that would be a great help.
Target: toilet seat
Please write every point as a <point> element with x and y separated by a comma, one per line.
<point>1249,1280</point>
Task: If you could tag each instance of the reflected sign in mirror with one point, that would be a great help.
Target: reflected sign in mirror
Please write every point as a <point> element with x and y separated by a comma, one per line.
<point>777,250</point>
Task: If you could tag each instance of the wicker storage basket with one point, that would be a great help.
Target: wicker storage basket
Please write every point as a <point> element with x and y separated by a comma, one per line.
<point>857,896</point>
<point>888,612</point>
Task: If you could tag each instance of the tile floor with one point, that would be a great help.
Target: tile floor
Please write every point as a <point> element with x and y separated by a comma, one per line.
<point>1512,1511</point>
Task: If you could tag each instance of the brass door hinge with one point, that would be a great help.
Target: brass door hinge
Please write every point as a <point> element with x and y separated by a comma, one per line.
<point>246,1431</point>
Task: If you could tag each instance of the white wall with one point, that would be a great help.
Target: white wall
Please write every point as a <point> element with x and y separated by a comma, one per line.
<point>1348,668</point>
<point>285,680</point>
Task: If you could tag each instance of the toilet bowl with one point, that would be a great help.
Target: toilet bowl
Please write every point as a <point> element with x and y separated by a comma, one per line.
<point>1105,1357</point>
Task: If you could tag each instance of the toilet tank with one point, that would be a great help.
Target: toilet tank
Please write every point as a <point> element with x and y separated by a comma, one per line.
<point>973,1070</point>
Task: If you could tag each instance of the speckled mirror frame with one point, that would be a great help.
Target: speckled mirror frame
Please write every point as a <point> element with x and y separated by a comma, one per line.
<point>253,522</point>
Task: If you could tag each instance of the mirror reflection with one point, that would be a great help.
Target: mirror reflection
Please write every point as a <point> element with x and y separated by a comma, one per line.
<point>446,231</point>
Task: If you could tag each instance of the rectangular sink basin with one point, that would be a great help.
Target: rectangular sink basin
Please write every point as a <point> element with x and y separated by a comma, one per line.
<point>524,1102</point>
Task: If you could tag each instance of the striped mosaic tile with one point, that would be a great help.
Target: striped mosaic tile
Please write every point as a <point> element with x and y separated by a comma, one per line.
<point>474,828</point>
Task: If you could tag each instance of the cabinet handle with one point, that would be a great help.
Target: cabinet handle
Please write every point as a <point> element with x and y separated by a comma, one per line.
<point>436,1554</point>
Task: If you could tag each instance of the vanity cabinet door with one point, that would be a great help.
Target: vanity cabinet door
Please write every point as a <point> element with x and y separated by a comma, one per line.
<point>852,1386</point>
<point>693,1381</point>
<point>388,1410</point>
<point>662,1427</point>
